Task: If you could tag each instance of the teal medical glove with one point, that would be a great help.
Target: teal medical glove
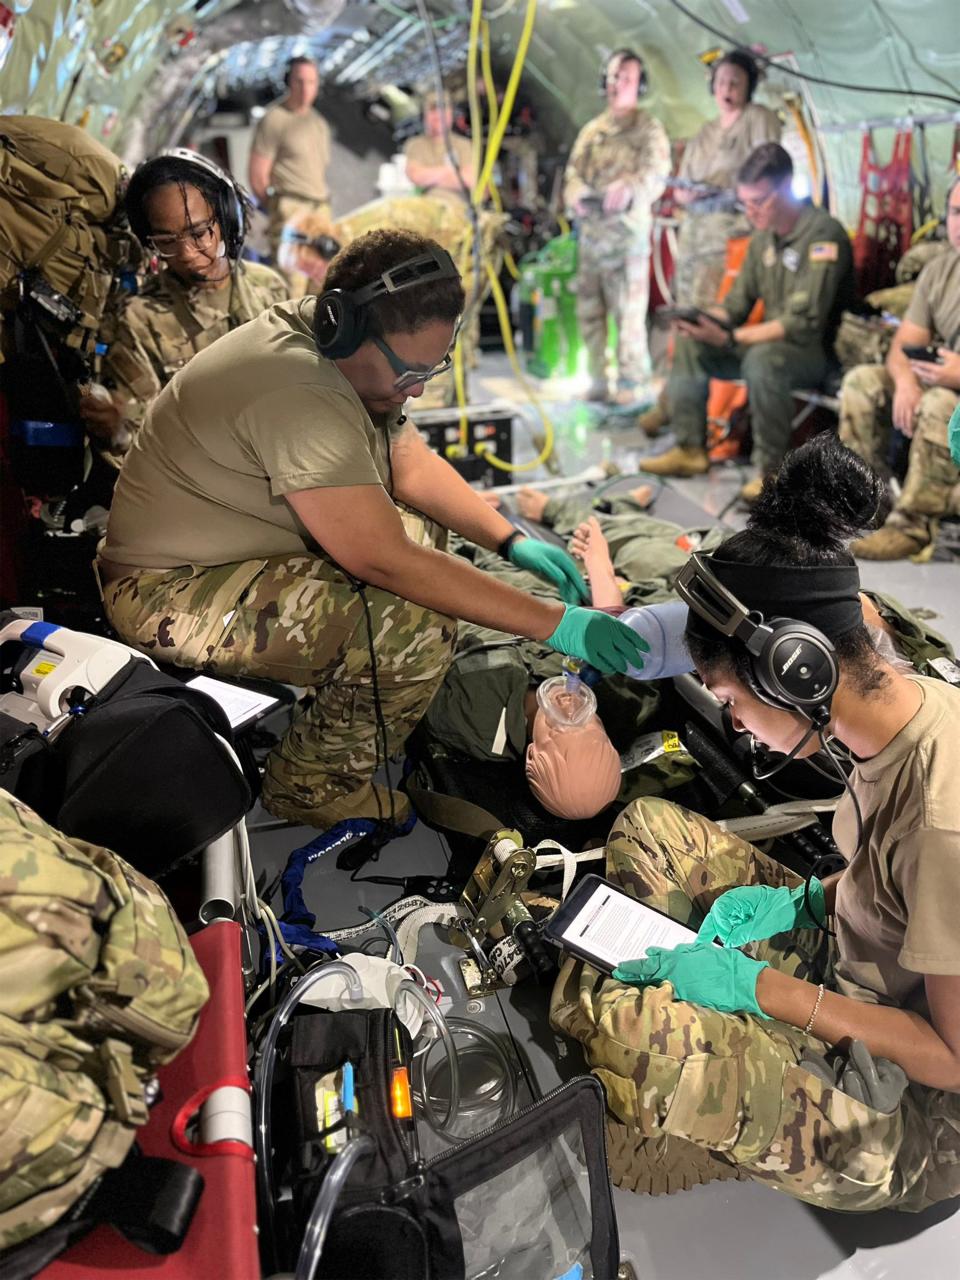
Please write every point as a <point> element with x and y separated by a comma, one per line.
<point>552,563</point>
<point>717,977</point>
<point>602,641</point>
<point>953,435</point>
<point>756,911</point>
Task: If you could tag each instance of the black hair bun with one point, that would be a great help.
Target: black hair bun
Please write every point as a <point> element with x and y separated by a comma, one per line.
<point>823,495</point>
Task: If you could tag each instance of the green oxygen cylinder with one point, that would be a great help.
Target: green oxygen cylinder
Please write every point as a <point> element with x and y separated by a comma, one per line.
<point>549,288</point>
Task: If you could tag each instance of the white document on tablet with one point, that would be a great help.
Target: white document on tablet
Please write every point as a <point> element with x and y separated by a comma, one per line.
<point>614,927</point>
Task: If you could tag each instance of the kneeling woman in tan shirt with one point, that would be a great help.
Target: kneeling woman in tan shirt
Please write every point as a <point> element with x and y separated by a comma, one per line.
<point>829,1071</point>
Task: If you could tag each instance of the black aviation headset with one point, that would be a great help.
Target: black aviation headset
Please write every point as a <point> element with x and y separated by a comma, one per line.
<point>342,319</point>
<point>625,55</point>
<point>231,211</point>
<point>793,665</point>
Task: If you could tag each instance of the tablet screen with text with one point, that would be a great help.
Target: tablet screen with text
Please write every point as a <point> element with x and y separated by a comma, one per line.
<point>605,926</point>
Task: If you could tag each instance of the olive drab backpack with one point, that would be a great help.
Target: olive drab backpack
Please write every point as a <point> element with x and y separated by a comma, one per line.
<point>98,987</point>
<point>61,233</point>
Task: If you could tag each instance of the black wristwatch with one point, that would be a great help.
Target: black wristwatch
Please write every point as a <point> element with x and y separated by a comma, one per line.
<point>503,548</point>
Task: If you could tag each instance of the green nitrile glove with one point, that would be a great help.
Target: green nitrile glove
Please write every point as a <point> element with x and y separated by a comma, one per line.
<point>602,641</point>
<point>552,563</point>
<point>717,977</point>
<point>756,911</point>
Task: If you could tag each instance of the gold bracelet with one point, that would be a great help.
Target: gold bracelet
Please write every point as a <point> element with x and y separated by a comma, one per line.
<point>816,1009</point>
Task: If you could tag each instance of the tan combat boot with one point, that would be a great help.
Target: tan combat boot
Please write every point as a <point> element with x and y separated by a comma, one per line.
<point>888,543</point>
<point>661,1165</point>
<point>652,421</point>
<point>752,489</point>
<point>678,461</point>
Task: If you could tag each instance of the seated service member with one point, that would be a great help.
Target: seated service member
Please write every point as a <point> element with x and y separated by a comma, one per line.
<point>800,265</point>
<point>192,217</point>
<point>428,163</point>
<point>255,527</point>
<point>835,1079</point>
<point>916,397</point>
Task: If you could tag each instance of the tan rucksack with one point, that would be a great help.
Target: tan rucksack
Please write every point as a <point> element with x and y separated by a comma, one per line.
<point>60,222</point>
<point>98,987</point>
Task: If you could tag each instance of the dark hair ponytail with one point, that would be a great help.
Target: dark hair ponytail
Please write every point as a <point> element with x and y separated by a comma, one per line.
<point>822,496</point>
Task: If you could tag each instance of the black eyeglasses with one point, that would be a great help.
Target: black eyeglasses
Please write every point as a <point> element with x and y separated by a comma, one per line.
<point>408,377</point>
<point>168,246</point>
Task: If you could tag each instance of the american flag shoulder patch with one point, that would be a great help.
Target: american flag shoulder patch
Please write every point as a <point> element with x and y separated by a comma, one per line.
<point>824,251</point>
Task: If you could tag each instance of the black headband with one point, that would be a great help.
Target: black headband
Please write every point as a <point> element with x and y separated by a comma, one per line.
<point>825,596</point>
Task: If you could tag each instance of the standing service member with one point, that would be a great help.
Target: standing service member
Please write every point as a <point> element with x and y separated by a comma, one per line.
<point>290,155</point>
<point>616,171</point>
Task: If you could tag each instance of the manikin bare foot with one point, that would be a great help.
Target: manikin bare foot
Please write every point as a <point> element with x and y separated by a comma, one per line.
<point>589,545</point>
<point>644,494</point>
<point>531,503</point>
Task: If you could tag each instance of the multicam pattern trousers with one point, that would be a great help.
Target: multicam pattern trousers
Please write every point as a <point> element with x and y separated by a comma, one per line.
<point>298,619</point>
<point>733,1083</point>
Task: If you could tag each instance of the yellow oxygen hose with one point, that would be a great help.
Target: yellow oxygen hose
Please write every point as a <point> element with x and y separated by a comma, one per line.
<point>503,316</point>
<point>509,97</point>
<point>499,118</point>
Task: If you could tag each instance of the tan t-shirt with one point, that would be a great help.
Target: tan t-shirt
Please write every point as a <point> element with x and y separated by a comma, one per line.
<point>257,415</point>
<point>715,154</point>
<point>433,152</point>
<point>299,146</point>
<point>898,900</point>
<point>935,304</point>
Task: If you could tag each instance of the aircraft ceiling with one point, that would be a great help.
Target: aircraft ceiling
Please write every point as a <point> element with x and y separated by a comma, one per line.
<point>135,72</point>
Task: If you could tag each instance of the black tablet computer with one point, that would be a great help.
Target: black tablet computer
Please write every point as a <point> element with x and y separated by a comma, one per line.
<point>693,315</point>
<point>605,926</point>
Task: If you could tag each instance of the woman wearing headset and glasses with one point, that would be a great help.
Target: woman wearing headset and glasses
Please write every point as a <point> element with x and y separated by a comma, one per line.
<point>831,1072</point>
<point>191,218</point>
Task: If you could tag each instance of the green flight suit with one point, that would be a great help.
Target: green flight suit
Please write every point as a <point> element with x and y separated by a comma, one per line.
<point>805,280</point>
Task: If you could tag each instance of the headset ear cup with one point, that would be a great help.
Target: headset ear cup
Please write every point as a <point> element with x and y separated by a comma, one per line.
<point>339,325</point>
<point>797,667</point>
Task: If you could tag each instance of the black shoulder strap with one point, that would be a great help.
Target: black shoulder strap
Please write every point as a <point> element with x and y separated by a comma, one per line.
<point>150,1201</point>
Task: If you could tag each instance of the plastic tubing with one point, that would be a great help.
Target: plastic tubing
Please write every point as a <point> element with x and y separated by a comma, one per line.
<point>476,1031</point>
<point>389,930</point>
<point>322,1212</point>
<point>263,1076</point>
<point>440,1022</point>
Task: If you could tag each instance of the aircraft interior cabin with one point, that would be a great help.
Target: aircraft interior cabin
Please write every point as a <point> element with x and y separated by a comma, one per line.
<point>479,608</point>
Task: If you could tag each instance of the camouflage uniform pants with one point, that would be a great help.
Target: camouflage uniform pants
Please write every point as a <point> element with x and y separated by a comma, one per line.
<point>281,209</point>
<point>702,256</point>
<point>729,1083</point>
<point>299,620</point>
<point>613,282</point>
<point>771,370</point>
<point>931,487</point>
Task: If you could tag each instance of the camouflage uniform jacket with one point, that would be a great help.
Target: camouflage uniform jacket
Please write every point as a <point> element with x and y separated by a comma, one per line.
<point>607,150</point>
<point>168,322</point>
